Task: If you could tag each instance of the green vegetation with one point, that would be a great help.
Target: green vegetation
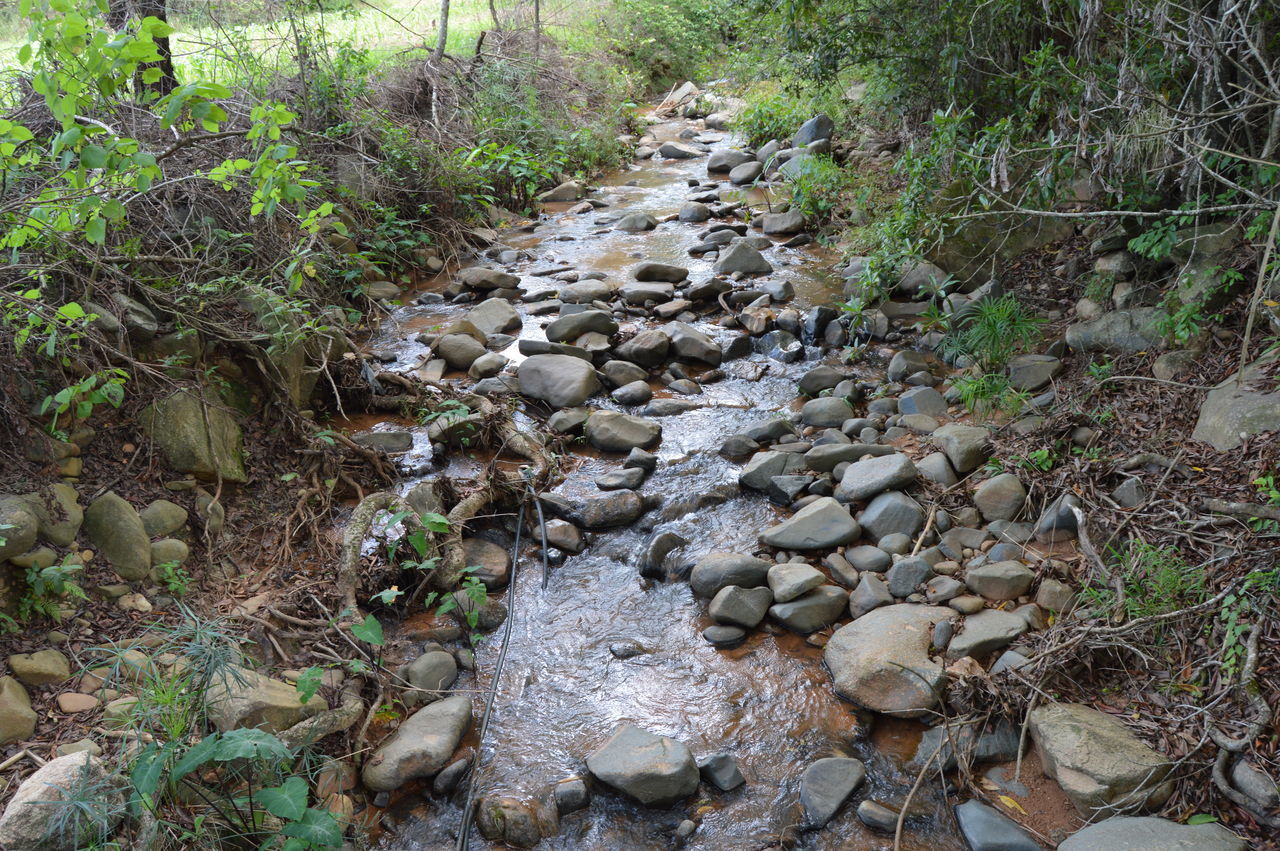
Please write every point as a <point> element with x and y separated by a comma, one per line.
<point>1154,580</point>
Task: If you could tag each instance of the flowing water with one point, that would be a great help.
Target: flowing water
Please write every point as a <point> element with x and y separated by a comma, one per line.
<point>562,692</point>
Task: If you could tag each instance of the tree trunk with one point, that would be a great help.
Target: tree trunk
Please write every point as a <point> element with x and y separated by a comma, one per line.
<point>444,29</point>
<point>497,25</point>
<point>119,13</point>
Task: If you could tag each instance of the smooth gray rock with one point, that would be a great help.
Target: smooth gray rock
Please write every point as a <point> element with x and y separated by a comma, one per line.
<point>791,580</point>
<point>867,557</point>
<point>570,327</point>
<point>870,593</point>
<point>822,524</point>
<point>816,610</point>
<point>890,513</point>
<point>907,574</point>
<point>986,632</point>
<point>562,381</point>
<point>431,674</point>
<point>495,316</point>
<point>655,770</point>
<point>721,771</point>
<point>611,431</point>
<point>873,475</point>
<point>1147,833</point>
<point>1000,497</point>
<point>690,344</point>
<point>923,400</point>
<point>826,412</point>
<point>786,223</point>
<point>717,570</point>
<point>633,393</point>
<point>726,160</point>
<point>826,785</point>
<point>763,466</point>
<point>616,508</point>
<point>1030,373</point>
<point>737,606</point>
<point>115,528</point>
<point>1239,407</point>
<point>988,829</point>
<point>966,447</point>
<point>1118,332</point>
<point>636,222</point>
<point>881,660</point>
<point>1058,520</point>
<point>420,746</point>
<point>815,129</point>
<point>1001,580</point>
<point>741,257</point>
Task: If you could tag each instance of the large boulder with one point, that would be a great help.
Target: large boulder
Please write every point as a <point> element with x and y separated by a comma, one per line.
<point>19,525</point>
<point>421,746</point>
<point>245,698</point>
<point>655,770</point>
<point>614,432</point>
<point>495,316</point>
<point>1241,406</point>
<point>822,524</point>
<point>57,508</point>
<point>562,381</point>
<point>881,660</point>
<point>196,437</point>
<point>114,527</point>
<point>1147,833</point>
<point>814,130</point>
<point>1103,768</point>
<point>741,257</point>
<point>33,820</point>
<point>1118,332</point>
<point>726,160</point>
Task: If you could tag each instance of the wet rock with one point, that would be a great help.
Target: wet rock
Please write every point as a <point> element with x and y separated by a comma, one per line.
<point>561,381</point>
<point>639,459</point>
<point>421,746</point>
<point>626,649</point>
<point>791,580</point>
<point>17,718</point>
<point>870,593</point>
<point>1096,760</point>
<point>459,351</point>
<point>721,771</point>
<point>690,344</point>
<point>726,160</point>
<point>195,437</point>
<point>1002,580</point>
<point>737,606</point>
<point>881,660</point>
<point>906,363</point>
<point>822,524</point>
<point>923,400</point>
<point>572,326</point>
<point>1058,521</point>
<point>571,795</point>
<point>966,447</point>
<point>508,820</point>
<point>669,407</point>
<point>116,530</point>
<point>246,698</point>
<point>42,668</point>
<point>636,222</point>
<point>892,513</point>
<point>873,475</point>
<point>639,294</point>
<point>568,421</point>
<point>986,632</point>
<point>724,637</point>
<point>564,536</point>
<point>763,466</point>
<point>495,316</point>
<point>487,365</point>
<point>585,292</point>
<point>906,575</point>
<point>826,458</point>
<point>619,479</point>
<point>32,818</point>
<point>650,271</point>
<point>479,278</point>
<point>784,490</point>
<point>786,223</point>
<point>821,378</point>
<point>385,441</point>
<point>430,674</point>
<point>617,508</point>
<point>826,785</point>
<point>1131,833</point>
<point>493,562</point>
<point>781,346</point>
<point>611,431</point>
<point>826,412</point>
<point>718,570</point>
<point>620,373</point>
<point>816,610</point>
<point>655,770</point>
<point>987,829</point>
<point>1000,497</point>
<point>677,151</point>
<point>648,348</point>
<point>570,190</point>
<point>694,212</point>
<point>741,257</point>
<point>746,173</point>
<point>877,816</point>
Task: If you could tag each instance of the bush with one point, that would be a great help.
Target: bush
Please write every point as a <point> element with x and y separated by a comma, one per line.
<point>672,40</point>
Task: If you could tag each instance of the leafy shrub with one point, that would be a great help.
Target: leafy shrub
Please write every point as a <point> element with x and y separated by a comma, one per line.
<point>671,40</point>
<point>995,331</point>
<point>770,113</point>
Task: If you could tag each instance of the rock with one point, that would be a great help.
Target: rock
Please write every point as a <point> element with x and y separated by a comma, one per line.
<point>196,437</point>
<point>42,668</point>
<point>988,829</point>
<point>1002,580</point>
<point>1146,833</point>
<point>881,660</point>
<point>660,272</point>
<point>907,575</point>
<point>1101,766</point>
<point>480,278</point>
<point>431,674</point>
<point>966,447</point>
<point>877,816</point>
<point>816,610</point>
<point>508,821</point>
<point>117,531</point>
<point>611,431</point>
<point>421,746</point>
<point>1241,406</point>
<point>636,222</point>
<point>58,516</point>
<point>822,524</point>
<point>162,518</point>
<point>789,222</point>
<point>564,536</point>
<point>875,474</point>
<point>986,632</point>
<point>493,562</point>
<point>721,771</point>
<point>738,606</point>
<point>815,129</point>
<point>1058,521</point>
<point>71,703</point>
<point>870,558</point>
<point>741,257</point>
<point>724,637</point>
<point>495,316</point>
<point>718,570</point>
<point>825,786</point>
<point>137,318</point>
<point>923,400</point>
<point>616,508</point>
<point>585,292</point>
<point>1031,372</point>
<point>246,698</point>
<point>826,412</point>
<point>32,818</point>
<point>570,190</point>
<point>1118,332</point>
<point>20,526</point>
<point>629,479</point>
<point>655,770</point>
<point>694,212</point>
<point>870,593</point>
<point>562,381</point>
<point>892,513</point>
<point>382,290</point>
<point>791,580</point>
<point>907,362</point>
<point>726,160</point>
<point>1255,783</point>
<point>677,151</point>
<point>487,365</point>
<point>820,378</point>
<point>746,173</point>
<point>573,325</point>
<point>17,718</point>
<point>571,795</point>
<point>648,348</point>
<point>692,345</point>
<point>1000,497</point>
<point>936,468</point>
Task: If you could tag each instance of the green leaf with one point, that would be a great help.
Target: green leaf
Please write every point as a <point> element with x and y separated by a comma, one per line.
<point>95,232</point>
<point>148,769</point>
<point>24,54</point>
<point>308,683</point>
<point>199,754</point>
<point>287,801</point>
<point>435,522</point>
<point>93,156</point>
<point>317,827</point>
<point>246,743</point>
<point>368,630</point>
<point>1201,818</point>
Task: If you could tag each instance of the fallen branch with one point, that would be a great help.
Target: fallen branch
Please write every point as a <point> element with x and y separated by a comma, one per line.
<point>1240,509</point>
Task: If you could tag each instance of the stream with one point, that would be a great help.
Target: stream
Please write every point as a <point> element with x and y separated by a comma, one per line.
<point>768,702</point>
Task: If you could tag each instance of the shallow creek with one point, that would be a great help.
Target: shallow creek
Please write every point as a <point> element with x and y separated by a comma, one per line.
<point>768,702</point>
